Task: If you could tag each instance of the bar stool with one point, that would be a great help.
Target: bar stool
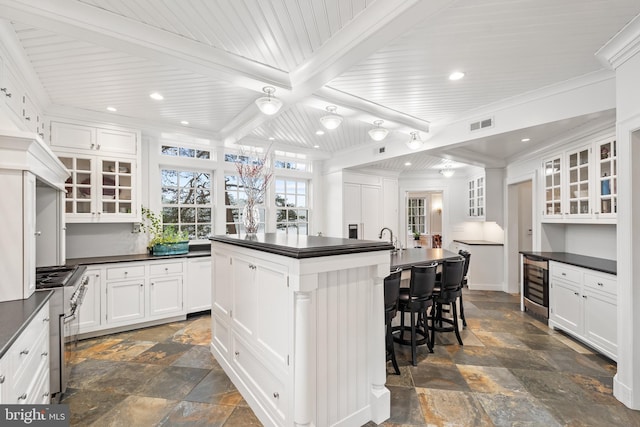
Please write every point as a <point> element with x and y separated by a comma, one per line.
<point>391,293</point>
<point>449,290</point>
<point>467,258</point>
<point>417,299</point>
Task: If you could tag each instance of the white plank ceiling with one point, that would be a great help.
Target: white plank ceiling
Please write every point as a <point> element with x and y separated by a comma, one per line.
<point>384,59</point>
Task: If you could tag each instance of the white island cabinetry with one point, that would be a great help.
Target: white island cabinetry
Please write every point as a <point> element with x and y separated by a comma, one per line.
<point>282,307</point>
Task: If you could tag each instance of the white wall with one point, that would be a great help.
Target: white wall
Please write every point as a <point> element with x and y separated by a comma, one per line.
<point>591,240</point>
<point>89,240</point>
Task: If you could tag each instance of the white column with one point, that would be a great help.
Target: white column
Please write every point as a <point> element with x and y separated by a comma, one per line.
<point>303,382</point>
<point>380,396</point>
<point>622,53</point>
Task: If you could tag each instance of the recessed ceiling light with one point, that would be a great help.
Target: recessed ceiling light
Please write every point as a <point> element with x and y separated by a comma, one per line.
<point>112,109</point>
<point>316,146</point>
<point>319,132</point>
<point>407,164</point>
<point>156,96</point>
<point>184,122</point>
<point>271,138</point>
<point>456,75</point>
<point>525,139</point>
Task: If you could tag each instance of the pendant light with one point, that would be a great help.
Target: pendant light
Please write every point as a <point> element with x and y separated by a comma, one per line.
<point>331,120</point>
<point>447,172</point>
<point>415,142</point>
<point>269,104</point>
<point>378,133</point>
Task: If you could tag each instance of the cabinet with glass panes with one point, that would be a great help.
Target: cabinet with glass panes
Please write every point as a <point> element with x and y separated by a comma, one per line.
<point>607,180</point>
<point>100,189</point>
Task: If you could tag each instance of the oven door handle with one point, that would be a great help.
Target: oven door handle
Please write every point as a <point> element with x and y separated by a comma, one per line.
<point>70,318</point>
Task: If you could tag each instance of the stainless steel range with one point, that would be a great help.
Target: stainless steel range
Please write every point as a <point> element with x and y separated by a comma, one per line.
<point>69,288</point>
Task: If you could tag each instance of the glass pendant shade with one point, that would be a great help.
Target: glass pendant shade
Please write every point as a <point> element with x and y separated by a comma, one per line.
<point>331,120</point>
<point>378,133</point>
<point>415,142</point>
<point>269,104</point>
<point>448,172</point>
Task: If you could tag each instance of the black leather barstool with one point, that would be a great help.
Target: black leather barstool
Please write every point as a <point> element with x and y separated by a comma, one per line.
<point>417,299</point>
<point>449,290</point>
<point>467,258</point>
<point>391,293</point>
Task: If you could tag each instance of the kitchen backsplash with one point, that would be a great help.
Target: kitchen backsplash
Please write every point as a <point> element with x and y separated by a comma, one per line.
<point>88,240</point>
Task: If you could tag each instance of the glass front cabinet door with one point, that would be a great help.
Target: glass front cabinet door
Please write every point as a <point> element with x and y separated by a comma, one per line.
<point>552,170</point>
<point>579,196</point>
<point>607,180</point>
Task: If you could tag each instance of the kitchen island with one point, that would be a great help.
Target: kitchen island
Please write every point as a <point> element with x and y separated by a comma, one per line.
<point>298,326</point>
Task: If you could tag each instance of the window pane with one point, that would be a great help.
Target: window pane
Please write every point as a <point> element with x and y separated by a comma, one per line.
<point>191,229</point>
<point>169,178</point>
<point>169,196</point>
<point>169,215</point>
<point>186,178</point>
<point>203,154</point>
<point>187,196</point>
<point>280,200</point>
<point>203,197</point>
<point>204,215</point>
<point>203,180</point>
<point>187,152</point>
<point>169,151</point>
<point>187,215</point>
<point>204,231</point>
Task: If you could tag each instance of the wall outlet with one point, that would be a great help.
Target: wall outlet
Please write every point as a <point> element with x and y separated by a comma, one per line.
<point>135,227</point>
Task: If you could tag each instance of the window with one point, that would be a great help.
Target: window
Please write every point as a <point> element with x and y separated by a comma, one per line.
<point>175,151</point>
<point>292,210</point>
<point>416,215</point>
<point>291,161</point>
<point>234,199</point>
<point>186,201</point>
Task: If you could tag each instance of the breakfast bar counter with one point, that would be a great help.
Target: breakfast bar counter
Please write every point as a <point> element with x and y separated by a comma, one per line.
<point>297,323</point>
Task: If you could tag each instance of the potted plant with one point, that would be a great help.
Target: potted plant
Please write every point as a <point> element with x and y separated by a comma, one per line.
<point>416,235</point>
<point>163,240</point>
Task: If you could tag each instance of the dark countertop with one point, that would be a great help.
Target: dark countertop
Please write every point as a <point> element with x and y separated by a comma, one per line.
<point>16,315</point>
<point>200,251</point>
<point>479,243</point>
<point>419,256</point>
<point>598,264</point>
<point>299,247</point>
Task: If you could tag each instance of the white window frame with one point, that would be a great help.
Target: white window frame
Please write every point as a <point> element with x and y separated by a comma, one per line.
<point>286,225</point>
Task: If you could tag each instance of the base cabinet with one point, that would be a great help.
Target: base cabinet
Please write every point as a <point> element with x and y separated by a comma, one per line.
<point>199,284</point>
<point>583,303</point>
<point>132,293</point>
<point>24,369</point>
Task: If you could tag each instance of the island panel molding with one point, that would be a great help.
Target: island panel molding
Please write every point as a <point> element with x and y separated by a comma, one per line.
<point>287,320</point>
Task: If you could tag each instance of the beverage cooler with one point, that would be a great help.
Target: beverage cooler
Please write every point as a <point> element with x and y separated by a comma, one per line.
<point>535,278</point>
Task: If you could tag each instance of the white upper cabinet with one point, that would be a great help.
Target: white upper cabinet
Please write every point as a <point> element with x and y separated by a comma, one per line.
<point>579,184</point>
<point>97,140</point>
<point>19,105</point>
<point>103,162</point>
<point>476,198</point>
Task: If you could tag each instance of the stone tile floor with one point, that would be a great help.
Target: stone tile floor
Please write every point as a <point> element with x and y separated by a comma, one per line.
<point>512,370</point>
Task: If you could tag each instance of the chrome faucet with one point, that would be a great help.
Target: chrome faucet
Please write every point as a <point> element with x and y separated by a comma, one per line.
<point>390,236</point>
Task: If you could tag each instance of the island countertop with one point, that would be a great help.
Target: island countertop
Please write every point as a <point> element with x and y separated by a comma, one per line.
<point>299,247</point>
<point>478,242</point>
<point>407,258</point>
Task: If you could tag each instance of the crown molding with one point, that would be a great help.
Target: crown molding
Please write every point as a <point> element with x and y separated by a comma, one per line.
<point>624,45</point>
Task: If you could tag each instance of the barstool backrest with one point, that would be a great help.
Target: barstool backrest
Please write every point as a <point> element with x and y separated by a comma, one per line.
<point>452,274</point>
<point>467,257</point>
<point>423,280</point>
<point>392,291</point>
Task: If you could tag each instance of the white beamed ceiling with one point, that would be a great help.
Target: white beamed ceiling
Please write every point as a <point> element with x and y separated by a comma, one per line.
<point>385,59</point>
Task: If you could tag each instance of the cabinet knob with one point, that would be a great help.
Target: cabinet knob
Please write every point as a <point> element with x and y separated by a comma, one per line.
<point>6,92</point>
<point>25,352</point>
<point>237,353</point>
<point>600,284</point>
<point>38,233</point>
<point>2,378</point>
<point>23,396</point>
<point>45,354</point>
<point>93,145</point>
<point>564,274</point>
<point>276,395</point>
<point>46,319</point>
<point>577,294</point>
<point>98,147</point>
<point>584,296</point>
<point>166,269</point>
<point>28,118</point>
<point>141,285</point>
<point>126,272</point>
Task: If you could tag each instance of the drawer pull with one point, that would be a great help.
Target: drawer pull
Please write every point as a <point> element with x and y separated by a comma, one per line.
<point>276,395</point>
<point>575,293</point>
<point>166,269</point>
<point>600,284</point>
<point>25,352</point>
<point>45,354</point>
<point>45,320</point>
<point>2,379</point>
<point>584,296</point>
<point>251,266</point>
<point>6,92</point>
<point>237,353</point>
<point>126,272</point>
<point>564,274</point>
<point>23,397</point>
